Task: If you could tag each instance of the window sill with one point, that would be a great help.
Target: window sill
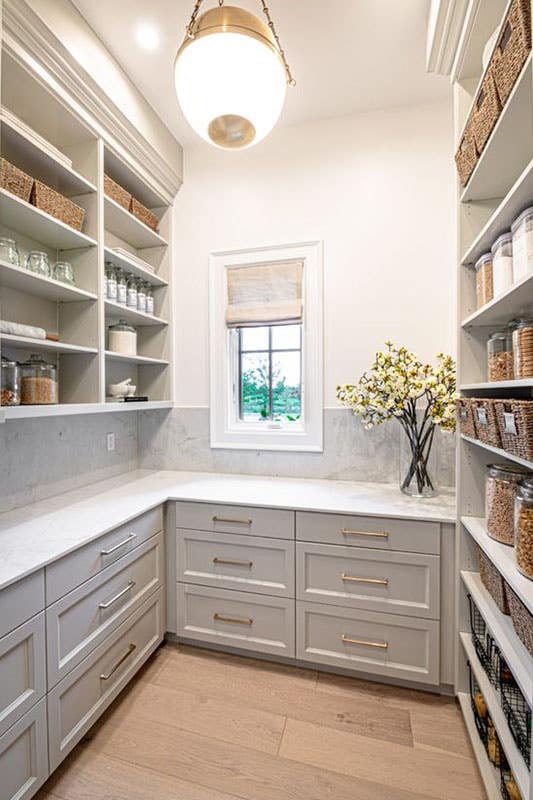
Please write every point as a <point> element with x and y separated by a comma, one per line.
<point>260,446</point>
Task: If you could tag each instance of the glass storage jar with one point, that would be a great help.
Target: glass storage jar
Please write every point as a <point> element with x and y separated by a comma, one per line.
<point>9,382</point>
<point>37,261</point>
<point>141,296</point>
<point>123,338</point>
<point>111,282</point>
<point>150,306</point>
<point>484,288</point>
<point>9,251</point>
<point>63,272</point>
<point>522,230</point>
<point>502,263</point>
<point>524,528</point>
<point>523,349</point>
<point>132,291</point>
<point>500,356</point>
<point>122,287</point>
<point>38,382</point>
<point>501,487</point>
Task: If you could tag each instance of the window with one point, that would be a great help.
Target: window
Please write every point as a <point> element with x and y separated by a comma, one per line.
<point>266,348</point>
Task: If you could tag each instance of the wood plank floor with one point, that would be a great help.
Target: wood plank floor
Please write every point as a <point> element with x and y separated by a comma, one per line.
<point>198,725</point>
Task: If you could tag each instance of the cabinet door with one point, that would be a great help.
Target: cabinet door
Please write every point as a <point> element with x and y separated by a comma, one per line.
<point>22,670</point>
<point>24,755</point>
<point>20,601</point>
<point>225,560</point>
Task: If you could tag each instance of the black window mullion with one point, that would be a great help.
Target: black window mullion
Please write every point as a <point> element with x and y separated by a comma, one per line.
<point>270,408</point>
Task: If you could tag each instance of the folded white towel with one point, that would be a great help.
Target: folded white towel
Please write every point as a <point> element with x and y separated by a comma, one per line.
<point>16,329</point>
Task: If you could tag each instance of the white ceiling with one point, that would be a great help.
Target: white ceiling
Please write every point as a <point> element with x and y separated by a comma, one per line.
<point>346,55</point>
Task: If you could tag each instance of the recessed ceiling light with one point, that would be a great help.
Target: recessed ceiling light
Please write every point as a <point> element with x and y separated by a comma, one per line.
<point>147,36</point>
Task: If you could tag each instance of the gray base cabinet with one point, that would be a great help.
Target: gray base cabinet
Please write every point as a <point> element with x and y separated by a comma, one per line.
<point>24,755</point>
<point>22,670</point>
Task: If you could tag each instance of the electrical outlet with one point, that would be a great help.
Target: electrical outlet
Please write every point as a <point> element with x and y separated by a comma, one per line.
<point>110,442</point>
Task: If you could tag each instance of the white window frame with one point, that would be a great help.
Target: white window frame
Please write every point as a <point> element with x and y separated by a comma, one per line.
<point>229,432</point>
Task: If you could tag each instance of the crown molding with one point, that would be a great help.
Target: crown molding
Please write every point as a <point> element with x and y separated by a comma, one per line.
<point>444,38</point>
<point>35,46</point>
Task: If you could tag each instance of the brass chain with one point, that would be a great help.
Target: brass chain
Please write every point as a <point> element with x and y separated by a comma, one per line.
<point>290,79</point>
<point>266,11</point>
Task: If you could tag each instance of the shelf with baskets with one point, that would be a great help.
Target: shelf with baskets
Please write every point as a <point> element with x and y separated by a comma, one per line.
<point>497,451</point>
<point>127,228</point>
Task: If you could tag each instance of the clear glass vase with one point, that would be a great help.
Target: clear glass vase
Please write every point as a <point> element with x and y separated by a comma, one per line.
<point>418,463</point>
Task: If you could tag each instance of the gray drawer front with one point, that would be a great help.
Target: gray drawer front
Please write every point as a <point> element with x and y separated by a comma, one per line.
<point>269,522</point>
<point>78,700</point>
<point>236,619</point>
<point>376,532</point>
<point>22,670</point>
<point>20,601</point>
<point>78,622</point>
<point>227,560</point>
<point>24,755</point>
<point>358,577</point>
<point>66,574</point>
<point>353,639</point>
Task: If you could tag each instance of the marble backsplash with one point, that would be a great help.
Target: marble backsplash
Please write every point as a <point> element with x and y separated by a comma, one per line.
<point>179,439</point>
<point>40,458</point>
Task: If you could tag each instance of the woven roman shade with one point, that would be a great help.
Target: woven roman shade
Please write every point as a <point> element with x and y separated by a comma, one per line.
<point>264,294</point>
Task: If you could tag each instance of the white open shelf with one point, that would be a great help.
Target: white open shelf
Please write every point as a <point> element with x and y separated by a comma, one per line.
<point>72,409</point>
<point>503,557</point>
<point>131,266</point>
<point>23,280</point>
<point>515,301</point>
<point>38,225</point>
<point>482,17</point>
<point>109,354</point>
<point>499,165</point>
<point>519,383</point>
<point>501,627</point>
<point>488,773</point>
<point>43,345</point>
<point>514,757</point>
<point>498,451</point>
<point>138,318</point>
<point>128,228</point>
<point>19,148</point>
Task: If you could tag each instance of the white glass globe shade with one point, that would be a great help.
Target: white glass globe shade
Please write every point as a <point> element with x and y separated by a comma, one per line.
<point>231,88</point>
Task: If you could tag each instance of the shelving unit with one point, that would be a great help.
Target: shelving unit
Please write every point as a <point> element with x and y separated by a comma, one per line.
<point>500,187</point>
<point>43,133</point>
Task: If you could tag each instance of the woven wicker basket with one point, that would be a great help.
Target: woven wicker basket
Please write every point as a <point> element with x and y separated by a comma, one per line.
<point>466,156</point>
<point>487,109</point>
<point>512,49</point>
<point>493,582</point>
<point>515,421</point>
<point>144,214</point>
<point>465,415</point>
<point>58,206</point>
<point>522,619</point>
<point>116,192</point>
<point>484,412</point>
<point>15,181</point>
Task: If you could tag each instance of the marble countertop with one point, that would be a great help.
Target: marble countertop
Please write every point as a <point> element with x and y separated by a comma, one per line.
<point>34,536</point>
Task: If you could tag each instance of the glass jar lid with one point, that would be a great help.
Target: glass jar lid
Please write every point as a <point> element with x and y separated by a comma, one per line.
<point>6,240</point>
<point>122,325</point>
<point>499,335</point>
<point>36,362</point>
<point>508,472</point>
<point>525,490</point>
<point>6,362</point>
<point>486,258</point>
<point>526,322</point>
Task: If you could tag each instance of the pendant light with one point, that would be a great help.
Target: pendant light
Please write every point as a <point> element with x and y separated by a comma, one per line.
<point>231,76</point>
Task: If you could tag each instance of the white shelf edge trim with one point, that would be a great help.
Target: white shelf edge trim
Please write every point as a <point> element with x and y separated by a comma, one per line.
<point>67,409</point>
<point>487,771</point>
<point>497,301</point>
<point>497,451</point>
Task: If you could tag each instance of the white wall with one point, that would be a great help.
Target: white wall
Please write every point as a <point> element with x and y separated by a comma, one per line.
<point>378,188</point>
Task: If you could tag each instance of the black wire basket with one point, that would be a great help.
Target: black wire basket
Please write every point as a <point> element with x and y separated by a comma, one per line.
<point>516,710</point>
<point>480,718</point>
<point>508,786</point>
<point>486,649</point>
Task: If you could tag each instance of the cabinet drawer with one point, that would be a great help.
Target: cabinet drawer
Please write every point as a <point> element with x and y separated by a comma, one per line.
<point>270,522</point>
<point>22,670</point>
<point>397,583</point>
<point>80,698</point>
<point>24,755</point>
<point>379,644</point>
<point>20,601</point>
<point>73,570</point>
<point>77,623</point>
<point>236,619</point>
<point>376,532</point>
<point>226,560</point>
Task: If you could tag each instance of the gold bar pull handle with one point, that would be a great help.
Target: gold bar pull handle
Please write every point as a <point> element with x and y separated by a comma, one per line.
<point>364,642</point>
<point>233,620</point>
<point>372,534</point>
<point>229,562</point>
<point>355,579</point>
<point>231,521</point>
<point>131,649</point>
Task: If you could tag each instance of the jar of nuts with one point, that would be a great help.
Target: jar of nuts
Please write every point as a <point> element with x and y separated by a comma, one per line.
<point>38,382</point>
<point>484,285</point>
<point>9,383</point>
<point>523,349</point>
<point>500,356</point>
<point>524,528</point>
<point>501,490</point>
